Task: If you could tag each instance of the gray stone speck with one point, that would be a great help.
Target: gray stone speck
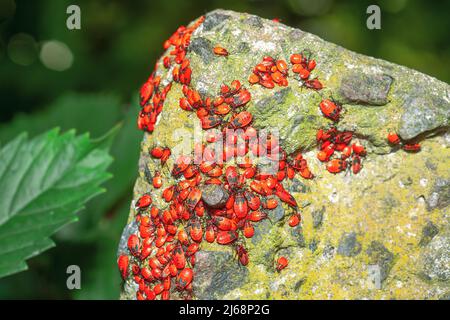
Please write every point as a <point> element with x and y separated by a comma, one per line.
<point>430,165</point>
<point>276,214</point>
<point>436,258</point>
<point>447,139</point>
<point>277,98</point>
<point>299,284</point>
<point>267,166</point>
<point>203,48</point>
<point>374,274</point>
<point>380,256</point>
<point>348,245</point>
<point>328,252</point>
<point>243,47</point>
<point>428,232</point>
<point>390,202</point>
<point>317,216</point>
<point>297,233</point>
<point>280,96</point>
<point>408,181</point>
<point>313,245</point>
<point>296,34</point>
<point>220,273</point>
<point>433,201</point>
<point>423,112</point>
<point>130,287</point>
<point>440,194</point>
<point>254,21</point>
<point>261,228</point>
<point>298,186</point>
<point>213,20</point>
<point>370,89</point>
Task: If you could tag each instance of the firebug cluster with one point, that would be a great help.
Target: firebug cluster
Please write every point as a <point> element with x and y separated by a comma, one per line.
<point>162,254</point>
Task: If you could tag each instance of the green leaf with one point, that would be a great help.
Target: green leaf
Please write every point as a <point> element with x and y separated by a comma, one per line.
<point>75,111</point>
<point>44,182</point>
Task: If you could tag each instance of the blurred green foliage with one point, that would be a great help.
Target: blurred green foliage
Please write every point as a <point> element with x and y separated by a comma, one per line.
<point>113,54</point>
<point>90,243</point>
<point>45,181</point>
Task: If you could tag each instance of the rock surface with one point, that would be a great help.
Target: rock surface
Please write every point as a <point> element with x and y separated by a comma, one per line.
<point>362,236</point>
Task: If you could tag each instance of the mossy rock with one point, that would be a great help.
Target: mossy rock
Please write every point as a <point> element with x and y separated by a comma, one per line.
<point>386,206</point>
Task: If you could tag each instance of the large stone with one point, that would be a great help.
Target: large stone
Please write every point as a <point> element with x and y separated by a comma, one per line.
<point>389,205</point>
<point>370,89</point>
<point>214,196</point>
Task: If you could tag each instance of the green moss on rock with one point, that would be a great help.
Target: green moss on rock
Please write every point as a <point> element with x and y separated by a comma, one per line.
<point>386,206</point>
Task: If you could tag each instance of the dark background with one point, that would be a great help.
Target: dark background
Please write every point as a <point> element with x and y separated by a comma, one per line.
<point>88,79</point>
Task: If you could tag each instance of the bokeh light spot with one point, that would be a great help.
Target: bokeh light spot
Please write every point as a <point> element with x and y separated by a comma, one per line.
<point>22,49</point>
<point>56,55</point>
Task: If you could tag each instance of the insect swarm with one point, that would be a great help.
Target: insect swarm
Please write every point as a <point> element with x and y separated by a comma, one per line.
<point>162,253</point>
